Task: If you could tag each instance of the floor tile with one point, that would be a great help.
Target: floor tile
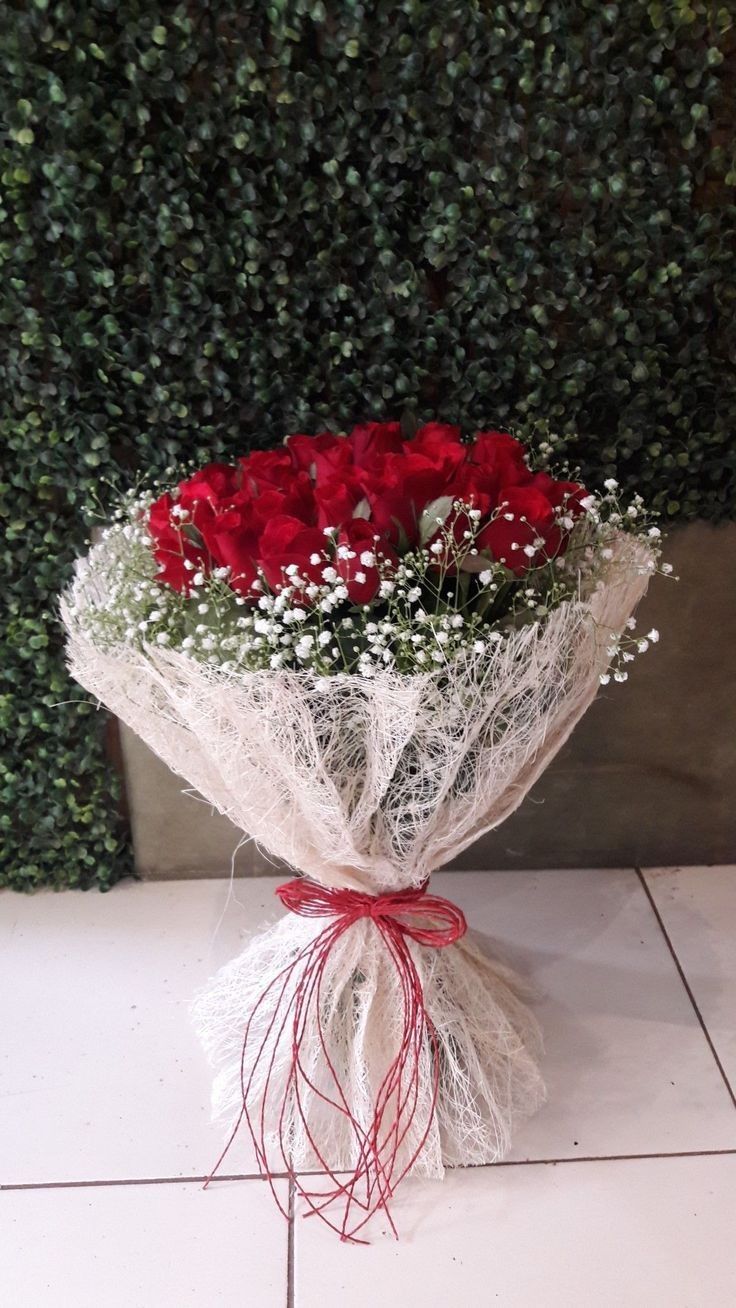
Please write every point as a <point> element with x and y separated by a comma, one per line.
<point>143,1246</point>
<point>101,1075</point>
<point>653,1233</point>
<point>698,908</point>
<point>627,1067</point>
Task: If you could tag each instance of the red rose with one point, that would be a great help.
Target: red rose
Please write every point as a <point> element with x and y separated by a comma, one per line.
<point>200,502</point>
<point>360,572</point>
<point>202,497</point>
<point>502,460</point>
<point>286,540</point>
<point>239,551</point>
<point>176,525</point>
<point>397,495</point>
<point>297,499</point>
<point>267,511</point>
<point>425,469</point>
<point>441,444</point>
<point>336,497</point>
<point>172,547</point>
<point>478,488</point>
<point>370,442</point>
<point>272,472</point>
<point>203,494</point>
<point>262,468</point>
<point>232,539</point>
<point>532,519</point>
<point>319,454</point>
<point>214,482</point>
<point>566,496</point>
<point>566,499</point>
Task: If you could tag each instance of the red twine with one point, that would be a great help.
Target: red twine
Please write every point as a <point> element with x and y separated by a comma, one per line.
<point>399,917</point>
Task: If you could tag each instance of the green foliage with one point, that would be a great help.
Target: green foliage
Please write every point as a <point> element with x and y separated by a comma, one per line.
<point>222,222</point>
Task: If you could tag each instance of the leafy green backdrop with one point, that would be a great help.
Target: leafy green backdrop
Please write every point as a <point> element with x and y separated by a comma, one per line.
<point>222,222</point>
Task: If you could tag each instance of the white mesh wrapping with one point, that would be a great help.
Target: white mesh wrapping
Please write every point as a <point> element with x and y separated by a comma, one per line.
<point>373,782</point>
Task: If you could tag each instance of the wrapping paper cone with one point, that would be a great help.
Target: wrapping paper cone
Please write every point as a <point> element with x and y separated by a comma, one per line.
<point>366,785</point>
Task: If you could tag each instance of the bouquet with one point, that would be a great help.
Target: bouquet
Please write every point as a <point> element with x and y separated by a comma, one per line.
<point>364,649</point>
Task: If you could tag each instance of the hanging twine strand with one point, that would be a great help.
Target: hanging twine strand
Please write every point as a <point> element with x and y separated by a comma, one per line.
<point>400,917</point>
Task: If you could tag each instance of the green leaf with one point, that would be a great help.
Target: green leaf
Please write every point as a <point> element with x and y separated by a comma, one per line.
<point>434,517</point>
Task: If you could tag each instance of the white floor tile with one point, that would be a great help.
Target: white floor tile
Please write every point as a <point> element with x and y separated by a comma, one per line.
<point>655,1233</point>
<point>143,1246</point>
<point>698,908</point>
<point>101,1075</point>
<point>627,1067</point>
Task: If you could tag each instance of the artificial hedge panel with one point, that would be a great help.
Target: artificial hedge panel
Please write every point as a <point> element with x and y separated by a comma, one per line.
<point>221,222</point>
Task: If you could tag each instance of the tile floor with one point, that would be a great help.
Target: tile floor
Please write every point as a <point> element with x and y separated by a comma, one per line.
<point>620,1193</point>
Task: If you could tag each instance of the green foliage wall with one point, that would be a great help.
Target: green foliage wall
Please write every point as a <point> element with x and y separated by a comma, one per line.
<point>221,222</point>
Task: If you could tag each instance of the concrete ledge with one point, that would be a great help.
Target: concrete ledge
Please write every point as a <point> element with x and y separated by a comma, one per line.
<point>649,776</point>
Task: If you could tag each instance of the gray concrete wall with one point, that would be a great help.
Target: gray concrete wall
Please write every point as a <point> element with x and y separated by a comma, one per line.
<point>648,777</point>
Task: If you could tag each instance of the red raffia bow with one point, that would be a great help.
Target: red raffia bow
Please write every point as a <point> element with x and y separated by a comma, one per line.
<point>399,917</point>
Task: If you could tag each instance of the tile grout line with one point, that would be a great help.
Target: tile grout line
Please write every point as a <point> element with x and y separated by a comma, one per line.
<point>11,1187</point>
<point>290,1288</point>
<point>595,1158</point>
<point>686,984</point>
<point>140,1180</point>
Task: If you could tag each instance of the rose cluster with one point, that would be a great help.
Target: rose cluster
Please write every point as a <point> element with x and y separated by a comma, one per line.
<point>370,496</point>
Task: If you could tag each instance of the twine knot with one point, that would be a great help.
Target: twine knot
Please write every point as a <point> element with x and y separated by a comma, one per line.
<point>428,919</point>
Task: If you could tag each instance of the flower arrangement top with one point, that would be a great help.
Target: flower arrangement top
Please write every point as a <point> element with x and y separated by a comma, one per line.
<point>361,551</point>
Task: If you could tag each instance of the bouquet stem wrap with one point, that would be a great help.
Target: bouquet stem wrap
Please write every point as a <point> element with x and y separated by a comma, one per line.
<point>369,1044</point>
<point>299,1010</point>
